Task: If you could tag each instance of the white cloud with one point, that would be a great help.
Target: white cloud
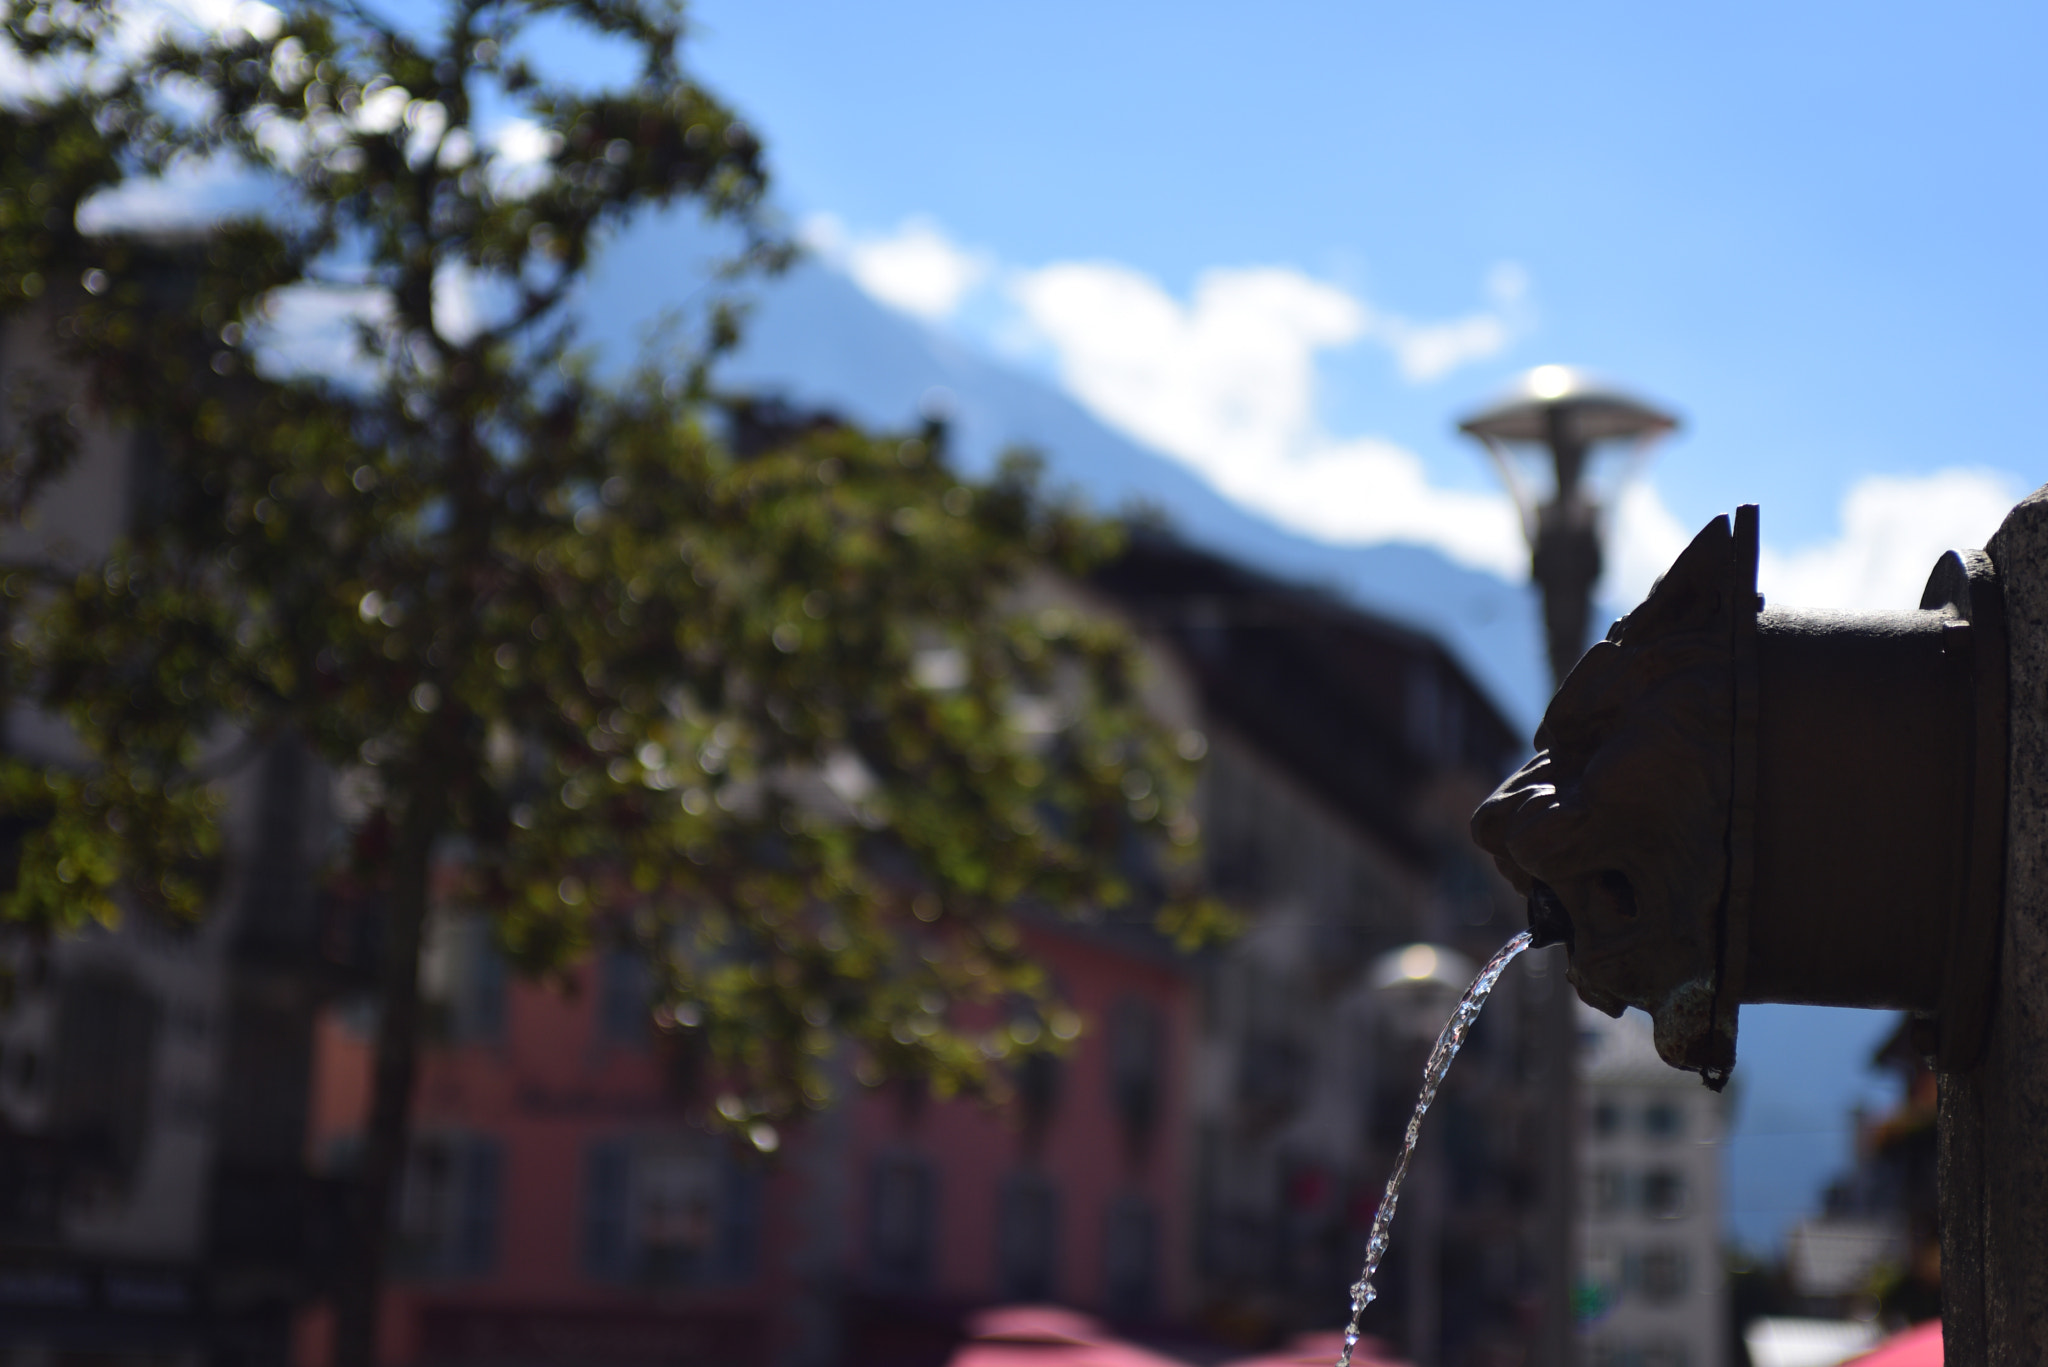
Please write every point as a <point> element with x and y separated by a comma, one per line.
<point>317,330</point>
<point>260,20</point>
<point>1226,383</point>
<point>917,268</point>
<point>1894,527</point>
<point>467,301</point>
<point>1226,380</point>
<point>920,269</point>
<point>190,194</point>
<point>1429,351</point>
<point>138,25</point>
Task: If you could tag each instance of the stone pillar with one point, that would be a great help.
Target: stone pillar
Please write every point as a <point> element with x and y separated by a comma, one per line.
<point>1994,1118</point>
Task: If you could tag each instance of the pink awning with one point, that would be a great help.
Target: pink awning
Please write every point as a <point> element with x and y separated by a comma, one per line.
<point>1919,1346</point>
<point>1052,1336</point>
<point>1048,1336</point>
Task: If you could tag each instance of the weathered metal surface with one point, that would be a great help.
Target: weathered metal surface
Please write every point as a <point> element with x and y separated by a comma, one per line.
<point>1733,805</point>
<point>1965,583</point>
<point>1993,1164</point>
<point>1863,758</point>
<point>1620,821</point>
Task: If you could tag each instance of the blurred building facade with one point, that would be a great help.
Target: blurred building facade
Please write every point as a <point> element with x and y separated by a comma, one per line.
<point>1875,1246</point>
<point>570,1197</point>
<point>1346,755</point>
<point>154,1201</point>
<point>1651,1290</point>
<point>1207,1155</point>
<point>178,1108</point>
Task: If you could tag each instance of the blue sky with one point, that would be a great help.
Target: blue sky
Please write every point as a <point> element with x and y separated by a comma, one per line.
<point>1813,233</point>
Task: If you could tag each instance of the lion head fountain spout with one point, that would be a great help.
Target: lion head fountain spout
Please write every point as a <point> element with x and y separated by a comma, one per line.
<point>1734,805</point>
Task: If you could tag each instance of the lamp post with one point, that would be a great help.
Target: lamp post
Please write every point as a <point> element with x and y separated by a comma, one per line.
<point>1415,988</point>
<point>1563,414</point>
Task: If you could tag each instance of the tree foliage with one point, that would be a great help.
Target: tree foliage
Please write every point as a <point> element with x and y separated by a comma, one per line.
<point>762,708</point>
<point>785,704</point>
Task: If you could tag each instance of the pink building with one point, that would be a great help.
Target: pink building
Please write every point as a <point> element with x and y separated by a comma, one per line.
<point>568,1201</point>
<point>1207,1153</point>
<point>1079,1192</point>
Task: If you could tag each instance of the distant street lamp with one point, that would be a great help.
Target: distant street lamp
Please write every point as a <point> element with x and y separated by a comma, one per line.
<point>1415,989</point>
<point>1561,413</point>
<point>1418,986</point>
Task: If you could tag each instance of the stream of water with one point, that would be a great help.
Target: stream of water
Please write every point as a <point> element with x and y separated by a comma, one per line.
<point>1447,1045</point>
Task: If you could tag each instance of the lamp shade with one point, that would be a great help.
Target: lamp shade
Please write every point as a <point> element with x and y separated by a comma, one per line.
<point>1588,409</point>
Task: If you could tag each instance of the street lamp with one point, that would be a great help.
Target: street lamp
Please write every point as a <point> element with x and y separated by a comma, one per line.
<point>1418,986</point>
<point>1415,989</point>
<point>1563,414</point>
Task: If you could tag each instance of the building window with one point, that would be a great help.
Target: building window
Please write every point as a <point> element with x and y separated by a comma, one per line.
<point>1663,1120</point>
<point>1606,1120</point>
<point>1436,714</point>
<point>1663,1274</point>
<point>1136,1058</point>
<point>480,1000</point>
<point>1273,1076</point>
<point>107,1030</point>
<point>1610,1191</point>
<point>1130,1253</point>
<point>623,992</point>
<point>901,1214</point>
<point>1664,1195</point>
<point>1038,1078</point>
<point>607,1197</point>
<point>672,1212</point>
<point>448,1207</point>
<point>1027,1238</point>
<point>462,973</point>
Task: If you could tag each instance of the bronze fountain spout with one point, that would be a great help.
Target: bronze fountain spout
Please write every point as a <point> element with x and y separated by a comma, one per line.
<point>1731,804</point>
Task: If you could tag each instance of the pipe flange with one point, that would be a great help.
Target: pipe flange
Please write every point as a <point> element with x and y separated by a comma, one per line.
<point>1964,584</point>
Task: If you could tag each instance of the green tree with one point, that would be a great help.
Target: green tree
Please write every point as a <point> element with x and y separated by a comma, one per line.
<point>792,713</point>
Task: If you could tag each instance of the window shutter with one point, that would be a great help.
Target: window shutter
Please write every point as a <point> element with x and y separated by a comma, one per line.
<point>486,986</point>
<point>1027,1237</point>
<point>607,1175</point>
<point>900,1218</point>
<point>623,998</point>
<point>1130,1256</point>
<point>739,1220</point>
<point>476,1232</point>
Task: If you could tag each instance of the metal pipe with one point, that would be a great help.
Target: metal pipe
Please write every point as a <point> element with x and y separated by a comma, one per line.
<point>1863,749</point>
<point>1731,805</point>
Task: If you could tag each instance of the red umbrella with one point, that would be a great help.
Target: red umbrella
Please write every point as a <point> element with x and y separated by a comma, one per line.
<point>1048,1336</point>
<point>1919,1346</point>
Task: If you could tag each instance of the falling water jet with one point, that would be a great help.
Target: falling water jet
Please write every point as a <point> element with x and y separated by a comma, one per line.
<point>1447,1045</point>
